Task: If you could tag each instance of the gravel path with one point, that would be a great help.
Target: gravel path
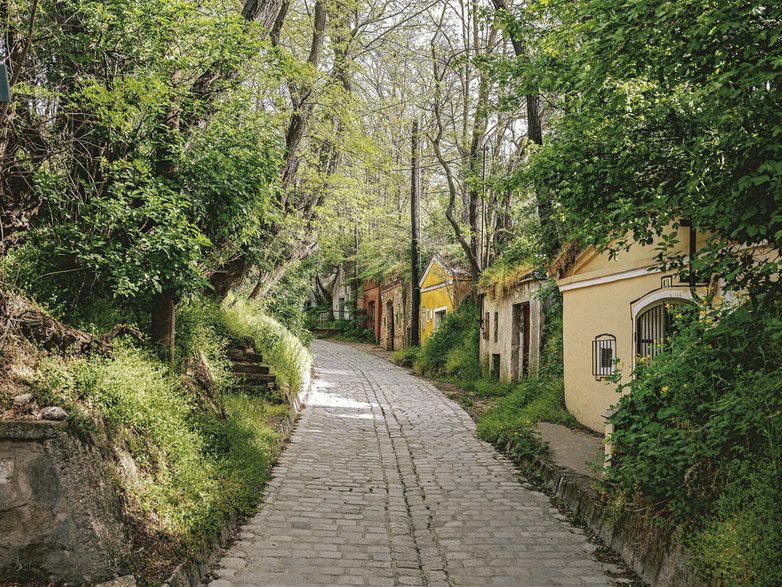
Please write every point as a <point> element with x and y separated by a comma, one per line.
<point>383,483</point>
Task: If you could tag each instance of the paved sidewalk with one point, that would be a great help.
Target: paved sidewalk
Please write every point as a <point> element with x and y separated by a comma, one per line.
<point>383,483</point>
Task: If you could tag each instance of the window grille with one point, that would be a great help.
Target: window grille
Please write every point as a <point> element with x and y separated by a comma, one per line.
<point>486,326</point>
<point>496,326</point>
<point>652,328</point>
<point>603,355</point>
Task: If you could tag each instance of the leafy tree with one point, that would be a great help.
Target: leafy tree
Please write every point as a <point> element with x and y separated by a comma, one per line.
<point>668,115</point>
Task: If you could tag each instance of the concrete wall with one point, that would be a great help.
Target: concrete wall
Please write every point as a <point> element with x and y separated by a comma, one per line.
<point>59,516</point>
<point>503,346</point>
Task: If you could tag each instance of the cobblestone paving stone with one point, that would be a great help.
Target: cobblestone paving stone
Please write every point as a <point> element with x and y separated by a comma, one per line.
<point>383,483</point>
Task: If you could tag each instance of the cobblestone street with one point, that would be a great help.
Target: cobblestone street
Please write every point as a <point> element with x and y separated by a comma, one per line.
<point>383,483</point>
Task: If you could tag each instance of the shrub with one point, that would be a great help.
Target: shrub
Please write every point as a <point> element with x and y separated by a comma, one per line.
<point>285,354</point>
<point>533,400</point>
<point>191,466</point>
<point>697,440</point>
<point>452,350</point>
<point>405,356</point>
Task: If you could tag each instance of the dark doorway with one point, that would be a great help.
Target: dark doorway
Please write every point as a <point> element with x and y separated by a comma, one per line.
<point>520,341</point>
<point>371,317</point>
<point>495,366</point>
<point>391,330</point>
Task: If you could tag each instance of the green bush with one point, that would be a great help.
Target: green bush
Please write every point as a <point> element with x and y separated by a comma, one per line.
<point>192,466</point>
<point>452,350</point>
<point>287,299</point>
<point>200,329</point>
<point>405,356</point>
<point>697,441</point>
<point>285,354</point>
<point>533,400</point>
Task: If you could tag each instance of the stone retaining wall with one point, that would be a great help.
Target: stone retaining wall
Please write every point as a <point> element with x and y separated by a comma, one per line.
<point>59,515</point>
<point>657,557</point>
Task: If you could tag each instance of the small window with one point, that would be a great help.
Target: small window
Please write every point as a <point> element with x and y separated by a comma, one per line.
<point>603,355</point>
<point>486,326</point>
<point>438,317</point>
<point>496,326</point>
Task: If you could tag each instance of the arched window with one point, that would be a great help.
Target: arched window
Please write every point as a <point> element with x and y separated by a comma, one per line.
<point>652,319</point>
<point>653,326</point>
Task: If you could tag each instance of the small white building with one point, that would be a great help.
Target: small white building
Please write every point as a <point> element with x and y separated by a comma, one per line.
<point>342,296</point>
<point>511,327</point>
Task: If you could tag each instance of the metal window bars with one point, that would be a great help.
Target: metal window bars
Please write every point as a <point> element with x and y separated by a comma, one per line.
<point>603,355</point>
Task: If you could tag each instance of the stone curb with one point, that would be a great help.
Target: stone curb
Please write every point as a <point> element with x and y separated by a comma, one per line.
<point>656,556</point>
<point>191,572</point>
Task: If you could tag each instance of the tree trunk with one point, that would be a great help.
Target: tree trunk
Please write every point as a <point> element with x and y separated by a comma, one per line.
<point>163,328</point>
<point>163,308</point>
<point>548,223</point>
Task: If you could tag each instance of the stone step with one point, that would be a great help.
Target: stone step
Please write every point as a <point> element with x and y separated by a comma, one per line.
<point>257,378</point>
<point>248,368</point>
<point>245,355</point>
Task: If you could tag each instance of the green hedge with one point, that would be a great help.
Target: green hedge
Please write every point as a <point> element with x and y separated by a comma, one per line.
<point>698,437</point>
<point>451,352</point>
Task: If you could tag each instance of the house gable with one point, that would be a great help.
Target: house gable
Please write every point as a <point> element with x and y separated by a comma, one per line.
<point>592,267</point>
<point>436,274</point>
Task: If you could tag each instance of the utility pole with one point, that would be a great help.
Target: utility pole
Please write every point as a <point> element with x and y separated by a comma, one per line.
<point>415,205</point>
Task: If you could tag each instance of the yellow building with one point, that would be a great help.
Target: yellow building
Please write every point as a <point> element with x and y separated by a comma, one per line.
<point>442,289</point>
<point>615,312</point>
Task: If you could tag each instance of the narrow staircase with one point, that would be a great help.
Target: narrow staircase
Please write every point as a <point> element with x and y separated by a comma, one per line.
<point>253,376</point>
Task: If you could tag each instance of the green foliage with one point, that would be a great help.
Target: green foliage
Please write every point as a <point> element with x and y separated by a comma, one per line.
<point>698,435</point>
<point>285,354</point>
<point>140,178</point>
<point>666,113</point>
<point>201,330</point>
<point>355,329</point>
<point>406,356</point>
<point>135,242</point>
<point>452,350</point>
<point>287,299</point>
<point>198,453</point>
<point>193,467</point>
<point>532,400</point>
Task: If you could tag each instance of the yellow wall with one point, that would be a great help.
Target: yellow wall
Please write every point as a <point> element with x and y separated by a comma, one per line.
<point>444,291</point>
<point>436,274</point>
<point>600,297</point>
<point>442,297</point>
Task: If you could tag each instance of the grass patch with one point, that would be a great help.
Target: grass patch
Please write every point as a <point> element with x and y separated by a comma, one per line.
<point>533,400</point>
<point>190,467</point>
<point>405,357</point>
